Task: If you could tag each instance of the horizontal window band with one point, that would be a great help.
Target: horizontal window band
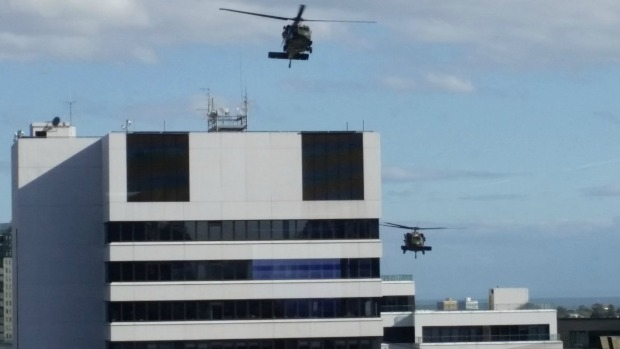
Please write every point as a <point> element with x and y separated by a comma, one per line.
<point>252,309</point>
<point>243,230</point>
<point>228,270</point>
<point>288,343</point>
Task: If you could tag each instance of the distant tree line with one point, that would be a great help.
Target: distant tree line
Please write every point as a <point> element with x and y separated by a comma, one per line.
<point>596,311</point>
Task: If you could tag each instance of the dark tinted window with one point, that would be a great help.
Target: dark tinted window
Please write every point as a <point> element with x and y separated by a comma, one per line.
<point>397,303</point>
<point>288,343</point>
<point>323,229</point>
<point>398,334</point>
<point>220,270</point>
<point>333,166</point>
<point>243,309</point>
<point>157,167</point>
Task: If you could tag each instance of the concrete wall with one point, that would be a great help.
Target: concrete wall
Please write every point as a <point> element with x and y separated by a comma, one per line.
<point>505,298</point>
<point>58,242</point>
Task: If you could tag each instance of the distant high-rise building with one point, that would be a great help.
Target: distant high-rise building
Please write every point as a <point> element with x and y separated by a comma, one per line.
<point>6,289</point>
<point>447,304</point>
<point>468,304</point>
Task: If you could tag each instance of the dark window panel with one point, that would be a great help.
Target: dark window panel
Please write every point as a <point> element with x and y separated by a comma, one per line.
<point>227,230</point>
<point>277,230</point>
<point>215,231</point>
<point>240,231</point>
<point>332,166</point>
<point>252,230</point>
<point>191,232</point>
<point>157,167</point>
<point>269,230</point>
<point>264,230</point>
<point>202,231</point>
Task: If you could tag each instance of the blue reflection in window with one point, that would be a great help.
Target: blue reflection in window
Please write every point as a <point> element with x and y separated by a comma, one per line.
<point>296,269</point>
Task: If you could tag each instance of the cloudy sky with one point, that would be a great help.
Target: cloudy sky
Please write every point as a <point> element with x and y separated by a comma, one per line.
<point>498,118</point>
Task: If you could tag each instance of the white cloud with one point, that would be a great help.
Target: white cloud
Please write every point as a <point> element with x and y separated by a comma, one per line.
<point>449,83</point>
<point>611,190</point>
<point>431,82</point>
<point>493,197</point>
<point>524,33</point>
<point>400,174</point>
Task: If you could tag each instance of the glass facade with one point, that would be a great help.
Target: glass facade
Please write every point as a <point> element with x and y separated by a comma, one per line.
<point>242,230</point>
<point>243,309</point>
<point>498,333</point>
<point>157,167</point>
<point>333,165</point>
<point>222,270</point>
<point>397,303</point>
<point>288,343</point>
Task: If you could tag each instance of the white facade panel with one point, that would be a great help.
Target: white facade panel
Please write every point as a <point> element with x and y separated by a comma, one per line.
<point>286,184</point>
<point>398,288</point>
<point>246,209</point>
<point>260,165</point>
<point>232,250</point>
<point>205,174</point>
<point>482,318</point>
<point>233,179</point>
<point>267,329</point>
<point>116,167</point>
<point>277,289</point>
<point>372,173</point>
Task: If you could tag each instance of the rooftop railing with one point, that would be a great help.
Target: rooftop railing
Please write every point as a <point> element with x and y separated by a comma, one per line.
<point>485,306</point>
<point>397,277</point>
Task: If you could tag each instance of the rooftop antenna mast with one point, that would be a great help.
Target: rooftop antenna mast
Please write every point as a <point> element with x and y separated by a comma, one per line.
<point>71,102</point>
<point>222,120</point>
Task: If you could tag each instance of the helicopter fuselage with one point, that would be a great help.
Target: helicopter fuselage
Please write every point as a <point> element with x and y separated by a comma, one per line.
<point>414,241</point>
<point>296,39</point>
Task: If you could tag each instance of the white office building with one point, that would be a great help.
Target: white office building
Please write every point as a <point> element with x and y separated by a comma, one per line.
<point>225,240</point>
<point>508,324</point>
<point>398,304</point>
<point>196,240</point>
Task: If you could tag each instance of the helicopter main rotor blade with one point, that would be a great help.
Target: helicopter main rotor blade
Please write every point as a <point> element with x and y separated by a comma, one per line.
<point>298,18</point>
<point>258,14</point>
<point>394,225</point>
<point>336,21</point>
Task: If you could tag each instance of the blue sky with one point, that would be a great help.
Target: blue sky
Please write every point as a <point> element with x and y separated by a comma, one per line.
<point>500,117</point>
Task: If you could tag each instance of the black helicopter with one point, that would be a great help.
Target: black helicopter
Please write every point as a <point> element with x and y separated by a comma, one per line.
<point>296,37</point>
<point>414,240</point>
